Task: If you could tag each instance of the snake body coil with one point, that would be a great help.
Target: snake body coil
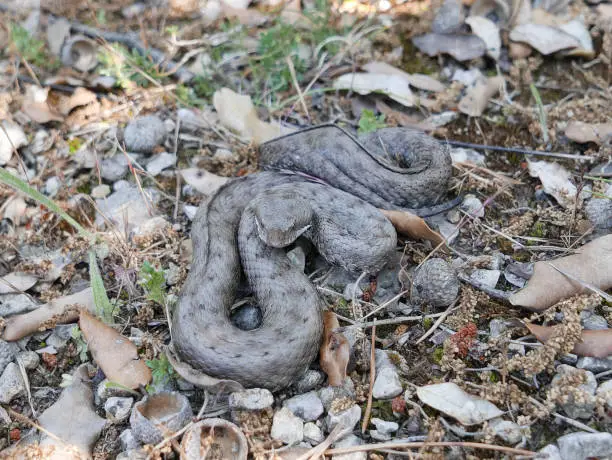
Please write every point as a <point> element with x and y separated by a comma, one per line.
<point>241,230</point>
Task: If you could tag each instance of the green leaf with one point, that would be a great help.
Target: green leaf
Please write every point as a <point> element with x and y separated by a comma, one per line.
<point>161,370</point>
<point>153,282</point>
<point>104,309</point>
<point>369,122</point>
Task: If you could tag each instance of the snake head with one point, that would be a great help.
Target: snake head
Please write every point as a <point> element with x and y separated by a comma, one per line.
<point>280,222</point>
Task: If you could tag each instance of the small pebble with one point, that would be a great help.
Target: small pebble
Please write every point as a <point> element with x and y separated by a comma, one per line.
<point>118,409</point>
<point>286,427</point>
<point>387,383</point>
<point>349,441</point>
<point>29,359</point>
<point>507,431</point>
<point>100,191</point>
<point>347,419</point>
<point>11,383</point>
<point>160,162</point>
<point>595,365</point>
<point>114,168</point>
<point>581,445</point>
<point>8,351</point>
<point>307,406</point>
<point>145,133</point>
<point>313,434</point>
<point>52,186</point>
<point>128,441</point>
<point>310,380</point>
<point>473,206</point>
<point>251,399</point>
<point>552,451</point>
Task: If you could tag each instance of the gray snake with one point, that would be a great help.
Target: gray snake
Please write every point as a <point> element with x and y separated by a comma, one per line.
<point>242,229</point>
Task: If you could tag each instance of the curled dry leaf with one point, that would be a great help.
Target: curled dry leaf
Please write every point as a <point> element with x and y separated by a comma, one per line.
<point>237,112</point>
<point>412,226</point>
<point>547,286</point>
<point>116,355</point>
<point>461,47</point>
<point>556,181</point>
<point>81,96</point>
<point>334,353</point>
<point>203,181</point>
<point>450,399</point>
<point>589,132</point>
<point>545,39</point>
<point>488,31</point>
<point>73,419</point>
<point>417,80</point>
<point>597,343</point>
<point>477,97</point>
<point>16,138</point>
<point>394,86</point>
<point>16,282</point>
<point>36,107</point>
<point>58,311</point>
<point>577,29</point>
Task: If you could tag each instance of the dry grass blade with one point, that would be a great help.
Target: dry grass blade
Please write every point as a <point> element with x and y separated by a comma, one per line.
<point>418,445</point>
<point>368,410</point>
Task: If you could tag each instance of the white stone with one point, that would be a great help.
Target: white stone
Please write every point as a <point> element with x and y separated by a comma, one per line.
<point>313,434</point>
<point>347,419</point>
<point>11,383</point>
<point>580,446</point>
<point>251,399</point>
<point>307,406</point>
<point>118,409</point>
<point>287,428</point>
<point>349,441</point>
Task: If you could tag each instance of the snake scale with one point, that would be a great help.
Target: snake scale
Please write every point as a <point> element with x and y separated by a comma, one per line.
<point>242,229</point>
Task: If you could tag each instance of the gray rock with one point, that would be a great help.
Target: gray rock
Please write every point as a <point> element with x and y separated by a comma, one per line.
<point>594,322</point>
<point>310,380</point>
<point>114,168</point>
<point>552,451</point>
<point>52,186</point>
<point>118,409</point>
<point>8,351</point>
<point>581,405</point>
<point>143,134</point>
<point>473,206</point>
<point>349,441</point>
<point>286,427</point>
<point>488,278</point>
<point>297,256</point>
<point>461,155</point>
<point>384,427</point>
<point>157,414</point>
<point>224,155</point>
<point>387,384</point>
<point>313,434</point>
<point>172,274</point>
<point>133,454</point>
<point>125,207</point>
<point>160,162</point>
<point>595,365</point>
<point>580,446</point>
<point>435,283</point>
<point>329,394</point>
<point>128,440</point>
<point>497,327</point>
<point>14,304</point>
<point>347,419</point>
<point>252,399</point>
<point>11,383</point>
<point>5,419</point>
<point>449,18</point>
<point>29,359</point>
<point>599,210</point>
<point>605,391</point>
<point>507,431</point>
<point>190,211</point>
<point>307,406</point>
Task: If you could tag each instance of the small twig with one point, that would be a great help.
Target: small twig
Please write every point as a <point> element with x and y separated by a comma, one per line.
<point>368,410</point>
<point>494,148</point>
<point>385,305</point>
<point>437,323</point>
<point>317,451</point>
<point>297,86</point>
<point>418,445</point>
<point>570,421</point>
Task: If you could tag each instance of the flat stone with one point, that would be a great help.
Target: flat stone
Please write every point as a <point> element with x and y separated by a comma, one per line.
<point>552,451</point>
<point>313,434</point>
<point>52,186</point>
<point>581,405</point>
<point>329,394</point>
<point>473,206</point>
<point>580,446</point>
<point>252,399</point>
<point>594,322</point>
<point>507,431</point>
<point>488,278</point>
<point>118,409</point>
<point>349,441</point>
<point>29,359</point>
<point>286,427</point>
<point>11,383</point>
<point>347,419</point>
<point>114,168</point>
<point>160,162</point>
<point>307,406</point>
<point>449,17</point>
<point>100,191</point>
<point>15,304</point>
<point>595,365</point>
<point>384,427</point>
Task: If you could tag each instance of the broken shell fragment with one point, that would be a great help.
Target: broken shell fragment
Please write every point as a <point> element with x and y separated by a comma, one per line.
<point>160,415</point>
<point>214,438</point>
<point>80,53</point>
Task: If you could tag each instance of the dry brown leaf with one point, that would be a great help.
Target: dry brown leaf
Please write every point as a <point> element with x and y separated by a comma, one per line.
<point>477,97</point>
<point>58,311</point>
<point>548,286</point>
<point>417,80</point>
<point>116,355</point>
<point>36,107</point>
<point>81,96</point>
<point>582,133</point>
<point>596,343</point>
<point>334,353</point>
<point>247,17</point>
<point>412,226</point>
<point>402,119</point>
<point>237,112</point>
